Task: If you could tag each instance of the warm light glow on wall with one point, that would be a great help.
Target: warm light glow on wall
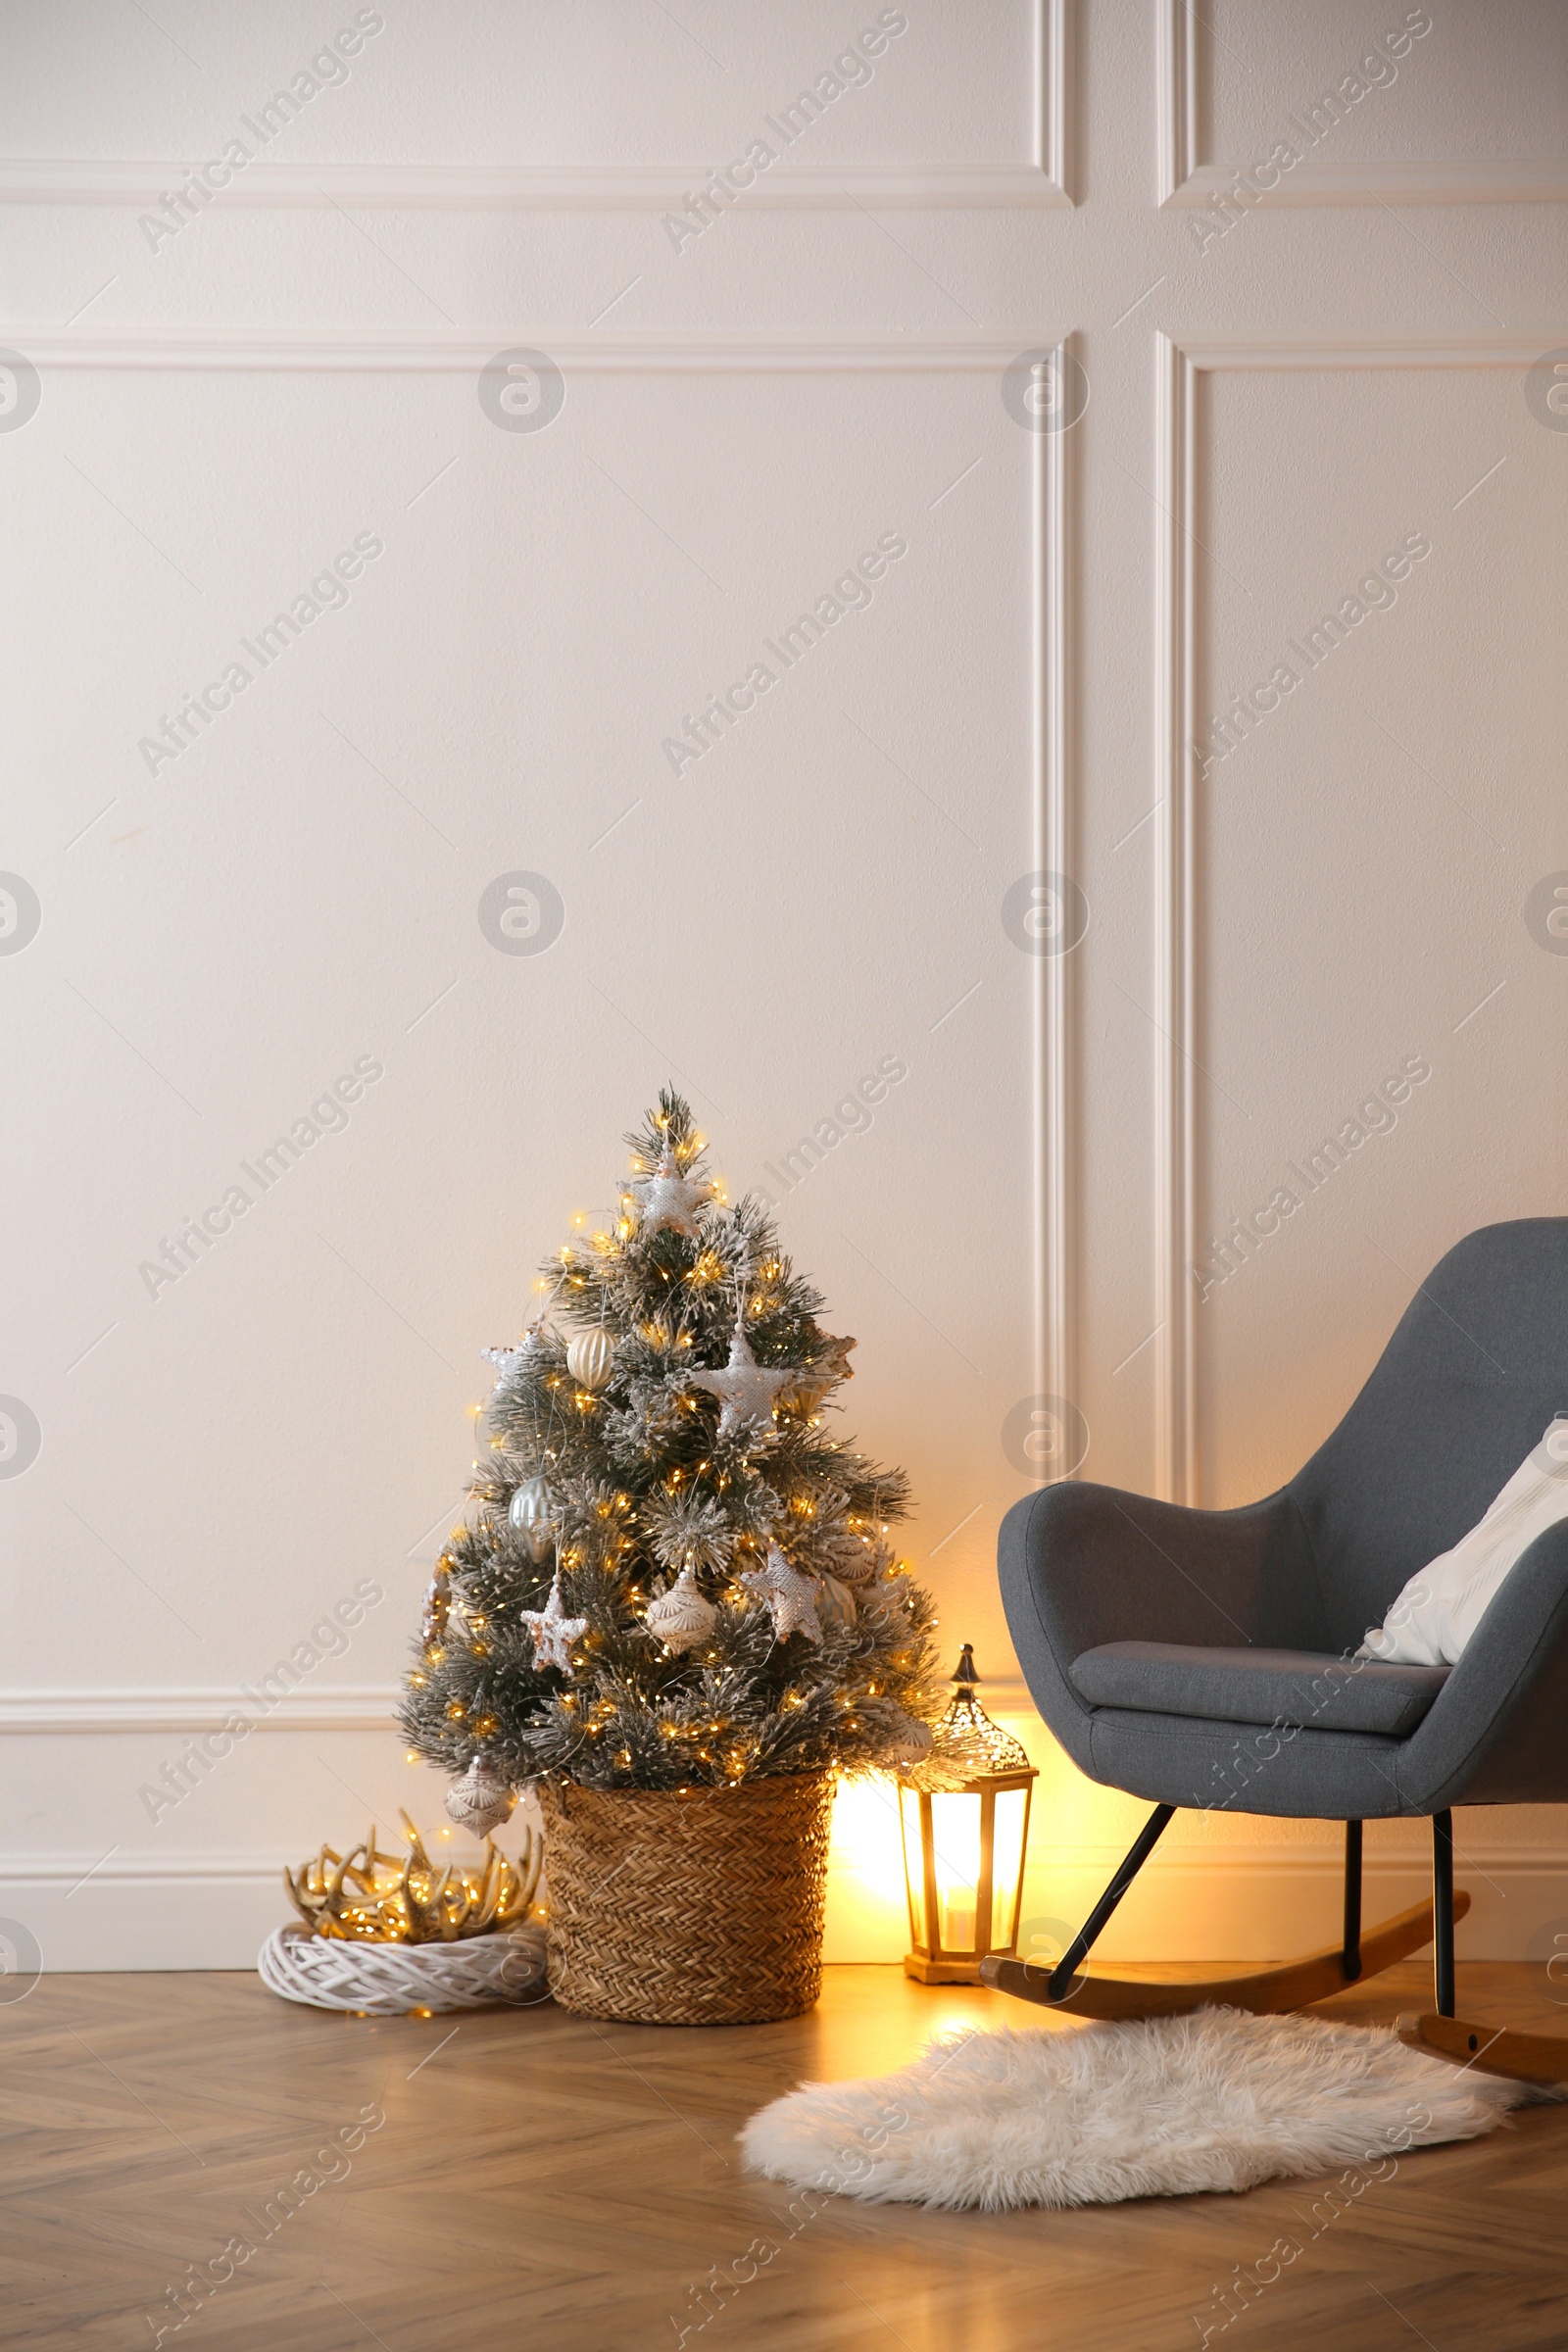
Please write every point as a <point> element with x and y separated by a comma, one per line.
<point>866,1918</point>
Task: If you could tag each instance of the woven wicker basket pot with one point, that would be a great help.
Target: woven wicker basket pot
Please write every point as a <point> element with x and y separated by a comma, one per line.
<point>696,1909</point>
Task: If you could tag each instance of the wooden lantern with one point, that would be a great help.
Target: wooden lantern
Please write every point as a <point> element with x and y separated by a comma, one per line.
<point>965,1814</point>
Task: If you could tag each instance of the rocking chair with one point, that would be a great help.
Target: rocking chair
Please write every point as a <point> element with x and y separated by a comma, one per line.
<point>1205,1658</point>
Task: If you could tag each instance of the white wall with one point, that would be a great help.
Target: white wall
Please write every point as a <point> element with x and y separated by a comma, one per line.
<point>223,410</point>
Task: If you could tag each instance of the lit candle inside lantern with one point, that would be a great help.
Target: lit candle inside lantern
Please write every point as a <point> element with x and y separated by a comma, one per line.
<point>957,1918</point>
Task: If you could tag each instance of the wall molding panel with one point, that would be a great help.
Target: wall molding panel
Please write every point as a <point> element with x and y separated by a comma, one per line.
<point>464,351</point>
<point>135,1870</point>
<point>541,188</point>
<point>1175,998</point>
<point>1180,367</point>
<point>1054,833</point>
<point>671,352</point>
<point>1186,184</point>
<point>666,352</point>
<point>1042,182</point>
<point>329,1708</point>
<point>146,1910</point>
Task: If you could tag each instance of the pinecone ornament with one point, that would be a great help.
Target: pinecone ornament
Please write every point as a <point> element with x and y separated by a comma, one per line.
<point>834,1602</point>
<point>437,1602</point>
<point>810,1387</point>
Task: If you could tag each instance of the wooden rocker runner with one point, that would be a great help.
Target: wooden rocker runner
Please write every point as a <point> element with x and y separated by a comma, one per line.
<point>1266,1991</point>
<point>1205,1658</point>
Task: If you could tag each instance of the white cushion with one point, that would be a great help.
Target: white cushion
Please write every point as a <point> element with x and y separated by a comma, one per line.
<point>1442,1606</point>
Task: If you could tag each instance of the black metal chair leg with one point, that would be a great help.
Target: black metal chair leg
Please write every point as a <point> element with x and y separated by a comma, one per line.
<point>1353,1901</point>
<point>1143,1846</point>
<point>1443,1912</point>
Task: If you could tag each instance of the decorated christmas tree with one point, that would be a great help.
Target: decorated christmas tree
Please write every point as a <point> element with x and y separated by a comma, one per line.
<point>671,1574</point>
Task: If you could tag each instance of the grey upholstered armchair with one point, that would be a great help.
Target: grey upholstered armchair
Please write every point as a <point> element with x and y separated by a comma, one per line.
<point>1203,1658</point>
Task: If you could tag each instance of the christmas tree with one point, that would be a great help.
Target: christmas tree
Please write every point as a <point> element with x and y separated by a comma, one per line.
<point>671,1574</point>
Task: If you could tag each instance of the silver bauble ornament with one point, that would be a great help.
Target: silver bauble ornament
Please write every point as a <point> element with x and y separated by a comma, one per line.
<point>591,1358</point>
<point>483,1800</point>
<point>528,1516</point>
<point>681,1617</point>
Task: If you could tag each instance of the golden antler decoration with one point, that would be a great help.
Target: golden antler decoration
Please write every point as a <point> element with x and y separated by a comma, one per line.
<point>367,1897</point>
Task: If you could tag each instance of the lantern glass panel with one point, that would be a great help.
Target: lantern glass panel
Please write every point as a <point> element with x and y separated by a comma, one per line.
<point>913,1865</point>
<point>1007,1864</point>
<point>955,1835</point>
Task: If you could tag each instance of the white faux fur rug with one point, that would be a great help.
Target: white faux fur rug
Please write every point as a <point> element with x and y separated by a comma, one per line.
<point>1167,2106</point>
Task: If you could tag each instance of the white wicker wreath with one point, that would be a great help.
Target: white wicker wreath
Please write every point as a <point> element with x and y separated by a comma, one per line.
<point>389,1979</point>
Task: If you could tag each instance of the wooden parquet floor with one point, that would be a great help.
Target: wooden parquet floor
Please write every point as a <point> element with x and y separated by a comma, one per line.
<point>543,2182</point>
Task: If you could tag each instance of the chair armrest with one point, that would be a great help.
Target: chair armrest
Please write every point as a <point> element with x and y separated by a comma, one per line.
<point>1081,1564</point>
<point>1495,1733</point>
